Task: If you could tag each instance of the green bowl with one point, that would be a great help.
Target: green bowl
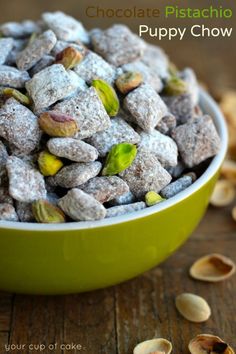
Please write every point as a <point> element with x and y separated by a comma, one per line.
<point>77,257</point>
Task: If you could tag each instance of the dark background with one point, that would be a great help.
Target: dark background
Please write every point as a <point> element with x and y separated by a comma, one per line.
<point>214,60</point>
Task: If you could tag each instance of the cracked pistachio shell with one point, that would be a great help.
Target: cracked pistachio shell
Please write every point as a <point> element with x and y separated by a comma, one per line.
<point>152,198</point>
<point>228,170</point>
<point>69,57</point>
<point>49,164</point>
<point>154,346</point>
<point>175,86</point>
<point>212,268</point>
<point>108,96</point>
<point>223,194</point>
<point>57,124</point>
<point>20,97</point>
<point>193,307</point>
<point>47,213</point>
<point>128,81</point>
<point>120,157</point>
<point>207,344</point>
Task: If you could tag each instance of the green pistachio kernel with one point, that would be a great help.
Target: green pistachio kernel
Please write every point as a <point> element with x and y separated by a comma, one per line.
<point>108,96</point>
<point>47,213</point>
<point>173,70</point>
<point>119,158</point>
<point>20,97</point>
<point>152,198</point>
<point>175,86</point>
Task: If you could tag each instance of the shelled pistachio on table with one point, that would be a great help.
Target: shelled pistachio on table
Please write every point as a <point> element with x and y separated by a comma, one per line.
<point>93,124</point>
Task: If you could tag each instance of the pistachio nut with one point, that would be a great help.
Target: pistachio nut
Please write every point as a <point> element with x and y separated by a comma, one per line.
<point>47,213</point>
<point>234,213</point>
<point>49,164</point>
<point>128,81</point>
<point>175,86</point>
<point>228,170</point>
<point>20,97</point>
<point>69,57</point>
<point>193,307</point>
<point>32,38</point>
<point>212,268</point>
<point>223,194</point>
<point>57,124</point>
<point>172,69</point>
<point>108,96</point>
<point>207,344</point>
<point>119,158</point>
<point>152,198</point>
<point>154,346</point>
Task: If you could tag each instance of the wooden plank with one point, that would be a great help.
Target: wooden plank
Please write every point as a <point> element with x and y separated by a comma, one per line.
<point>90,321</point>
<point>5,311</point>
<point>37,320</point>
<point>3,341</point>
<point>146,304</point>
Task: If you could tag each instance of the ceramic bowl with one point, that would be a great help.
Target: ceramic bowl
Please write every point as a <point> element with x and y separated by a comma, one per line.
<point>77,257</point>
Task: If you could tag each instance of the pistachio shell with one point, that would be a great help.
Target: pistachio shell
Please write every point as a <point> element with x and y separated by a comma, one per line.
<point>228,170</point>
<point>175,86</point>
<point>49,164</point>
<point>47,213</point>
<point>223,194</point>
<point>207,344</point>
<point>69,57</point>
<point>193,307</point>
<point>20,97</point>
<point>128,81</point>
<point>157,345</point>
<point>234,213</point>
<point>108,96</point>
<point>213,268</point>
<point>57,124</point>
<point>152,198</point>
<point>119,158</point>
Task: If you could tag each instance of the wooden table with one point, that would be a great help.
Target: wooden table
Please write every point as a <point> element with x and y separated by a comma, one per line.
<point>113,320</point>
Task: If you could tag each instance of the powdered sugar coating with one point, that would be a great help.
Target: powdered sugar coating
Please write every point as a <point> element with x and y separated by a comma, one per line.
<point>176,187</point>
<point>72,149</point>
<point>24,211</point>
<point>19,30</point>
<point>145,174</point>
<point>118,45</point>
<point>65,27</point>
<point>46,61</point>
<point>61,45</point>
<point>162,146</point>
<point>155,58</point>
<point>49,86</point>
<point>89,112</point>
<point>146,107</point>
<point>26,184</point>
<point>3,157</point>
<point>197,140</point>
<point>10,76</point>
<point>95,67</point>
<point>124,209</point>
<point>118,132</point>
<point>181,106</point>
<point>19,126</point>
<point>6,45</point>
<point>35,50</point>
<point>81,206</point>
<point>7,212</point>
<point>166,124</point>
<point>5,196</point>
<point>105,189</point>
<point>126,198</point>
<point>76,174</point>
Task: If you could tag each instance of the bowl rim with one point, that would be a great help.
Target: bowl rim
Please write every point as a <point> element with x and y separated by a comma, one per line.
<point>210,107</point>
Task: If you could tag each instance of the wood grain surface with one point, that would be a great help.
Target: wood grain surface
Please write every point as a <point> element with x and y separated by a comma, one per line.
<point>114,320</point>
